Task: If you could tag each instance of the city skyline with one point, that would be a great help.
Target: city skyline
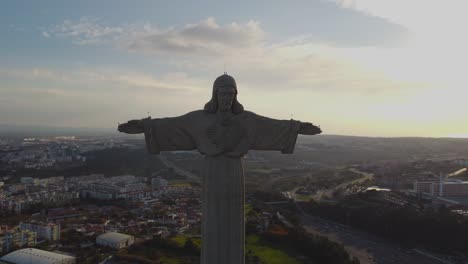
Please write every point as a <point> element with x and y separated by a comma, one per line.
<point>367,68</point>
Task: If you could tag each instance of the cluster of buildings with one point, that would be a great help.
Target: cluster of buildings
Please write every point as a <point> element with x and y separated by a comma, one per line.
<point>117,187</point>
<point>43,153</point>
<point>131,206</point>
<point>401,175</point>
<point>443,187</point>
<point>44,231</point>
<point>58,209</point>
<point>57,191</point>
<point>129,187</point>
<point>16,239</point>
<point>32,255</point>
<point>28,234</point>
<point>18,197</point>
<point>440,179</point>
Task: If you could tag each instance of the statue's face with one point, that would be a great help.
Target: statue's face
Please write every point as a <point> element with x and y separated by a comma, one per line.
<point>226,95</point>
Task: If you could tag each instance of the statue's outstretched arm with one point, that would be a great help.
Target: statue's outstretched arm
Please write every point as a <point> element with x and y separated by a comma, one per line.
<point>309,129</point>
<point>132,127</point>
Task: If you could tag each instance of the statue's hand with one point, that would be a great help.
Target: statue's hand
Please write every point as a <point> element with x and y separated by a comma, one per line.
<point>309,129</point>
<point>132,127</point>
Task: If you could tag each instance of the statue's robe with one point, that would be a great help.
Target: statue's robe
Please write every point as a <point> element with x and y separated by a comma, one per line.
<point>224,139</point>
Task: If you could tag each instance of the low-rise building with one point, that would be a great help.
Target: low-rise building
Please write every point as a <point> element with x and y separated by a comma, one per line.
<point>45,231</point>
<point>115,240</point>
<point>17,238</point>
<point>442,187</point>
<point>117,187</point>
<point>37,256</point>
<point>158,182</point>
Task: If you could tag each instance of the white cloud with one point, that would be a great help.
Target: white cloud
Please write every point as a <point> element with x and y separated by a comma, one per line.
<point>203,38</point>
<point>206,37</point>
<point>296,63</point>
<point>32,73</point>
<point>352,83</point>
<point>421,16</point>
<point>86,31</point>
<point>168,83</point>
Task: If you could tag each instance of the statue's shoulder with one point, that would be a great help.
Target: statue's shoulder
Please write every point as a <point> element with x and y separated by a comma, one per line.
<point>248,114</point>
<point>197,114</point>
<point>203,113</point>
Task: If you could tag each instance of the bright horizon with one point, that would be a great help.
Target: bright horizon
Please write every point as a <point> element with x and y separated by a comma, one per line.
<point>360,68</point>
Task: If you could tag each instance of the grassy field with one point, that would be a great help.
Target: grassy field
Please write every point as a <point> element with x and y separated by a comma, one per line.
<point>303,197</point>
<point>180,240</point>
<point>179,183</point>
<point>267,254</point>
<point>247,209</point>
<point>169,260</point>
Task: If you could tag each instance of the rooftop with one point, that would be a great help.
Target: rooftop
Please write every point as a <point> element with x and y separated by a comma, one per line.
<point>37,256</point>
<point>113,237</point>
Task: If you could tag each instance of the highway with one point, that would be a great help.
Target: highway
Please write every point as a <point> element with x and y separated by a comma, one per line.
<point>367,247</point>
<point>178,170</point>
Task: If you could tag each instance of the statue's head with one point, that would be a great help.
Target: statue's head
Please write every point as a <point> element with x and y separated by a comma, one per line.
<point>224,97</point>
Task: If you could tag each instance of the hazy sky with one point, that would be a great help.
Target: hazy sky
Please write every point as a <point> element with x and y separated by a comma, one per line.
<point>364,67</point>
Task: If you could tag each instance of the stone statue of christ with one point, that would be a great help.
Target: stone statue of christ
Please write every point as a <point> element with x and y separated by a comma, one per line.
<point>223,132</point>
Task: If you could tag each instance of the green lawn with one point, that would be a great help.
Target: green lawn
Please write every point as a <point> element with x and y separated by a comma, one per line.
<point>247,209</point>
<point>267,254</point>
<point>180,183</point>
<point>169,260</point>
<point>303,197</point>
<point>180,240</point>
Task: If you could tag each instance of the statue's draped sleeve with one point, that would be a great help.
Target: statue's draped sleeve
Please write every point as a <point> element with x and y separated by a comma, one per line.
<point>273,134</point>
<point>165,134</point>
